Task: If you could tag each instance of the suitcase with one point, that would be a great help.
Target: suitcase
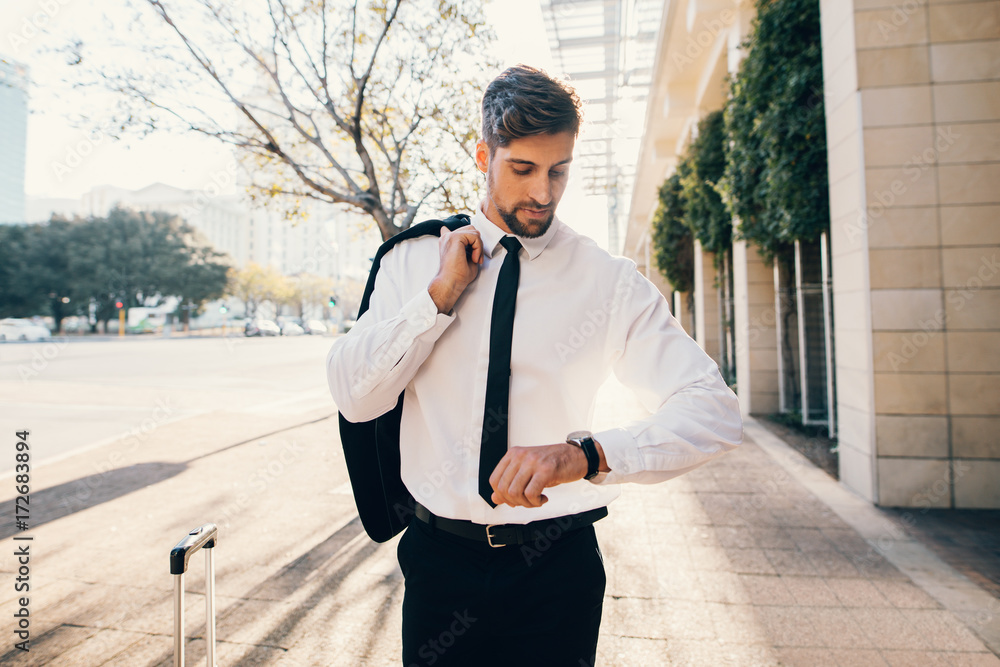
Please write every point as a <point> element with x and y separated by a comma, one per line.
<point>205,538</point>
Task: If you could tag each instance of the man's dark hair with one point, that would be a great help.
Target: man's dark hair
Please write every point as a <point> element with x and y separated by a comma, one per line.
<point>524,101</point>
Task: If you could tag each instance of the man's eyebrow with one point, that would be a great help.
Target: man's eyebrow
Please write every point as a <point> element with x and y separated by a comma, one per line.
<point>529,162</point>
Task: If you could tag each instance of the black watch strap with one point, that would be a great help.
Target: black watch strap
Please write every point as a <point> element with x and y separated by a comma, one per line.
<point>586,442</point>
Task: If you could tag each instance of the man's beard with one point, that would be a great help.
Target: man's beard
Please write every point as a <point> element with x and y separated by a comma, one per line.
<point>510,217</point>
<point>516,226</point>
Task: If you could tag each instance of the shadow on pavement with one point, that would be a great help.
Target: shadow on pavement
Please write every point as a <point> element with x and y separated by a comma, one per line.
<point>966,539</point>
<point>85,492</point>
<point>80,494</point>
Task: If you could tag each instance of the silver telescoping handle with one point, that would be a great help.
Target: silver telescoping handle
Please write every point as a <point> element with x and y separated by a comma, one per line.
<point>205,538</point>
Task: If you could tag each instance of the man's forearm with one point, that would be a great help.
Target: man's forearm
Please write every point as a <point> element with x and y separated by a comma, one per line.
<point>369,367</point>
<point>445,296</point>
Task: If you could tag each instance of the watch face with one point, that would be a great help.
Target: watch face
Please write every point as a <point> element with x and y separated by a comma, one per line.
<point>579,435</point>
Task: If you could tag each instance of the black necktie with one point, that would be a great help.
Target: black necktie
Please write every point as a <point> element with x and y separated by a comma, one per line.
<point>494,440</point>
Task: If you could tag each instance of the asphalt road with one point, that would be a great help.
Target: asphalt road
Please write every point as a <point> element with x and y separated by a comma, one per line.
<point>73,393</point>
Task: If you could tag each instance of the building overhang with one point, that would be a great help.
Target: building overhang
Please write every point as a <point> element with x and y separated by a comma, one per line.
<point>695,46</point>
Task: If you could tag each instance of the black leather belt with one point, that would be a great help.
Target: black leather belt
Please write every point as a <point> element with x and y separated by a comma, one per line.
<point>506,534</point>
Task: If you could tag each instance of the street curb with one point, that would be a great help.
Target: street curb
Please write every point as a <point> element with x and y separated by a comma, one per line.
<point>888,537</point>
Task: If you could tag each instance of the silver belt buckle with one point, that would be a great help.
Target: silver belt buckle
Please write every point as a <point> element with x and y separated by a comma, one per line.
<point>489,537</point>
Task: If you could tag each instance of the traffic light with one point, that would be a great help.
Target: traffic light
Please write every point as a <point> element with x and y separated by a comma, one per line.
<point>332,302</point>
<point>223,309</point>
<point>119,304</point>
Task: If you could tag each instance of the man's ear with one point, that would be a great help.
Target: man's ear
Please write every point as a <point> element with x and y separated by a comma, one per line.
<point>482,156</point>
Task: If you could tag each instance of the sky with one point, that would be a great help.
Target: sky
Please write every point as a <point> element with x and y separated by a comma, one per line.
<point>65,160</point>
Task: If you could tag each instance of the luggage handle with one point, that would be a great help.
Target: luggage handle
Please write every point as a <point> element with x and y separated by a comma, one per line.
<point>203,537</point>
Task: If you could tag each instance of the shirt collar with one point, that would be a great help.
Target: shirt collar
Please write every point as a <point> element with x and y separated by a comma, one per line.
<point>491,235</point>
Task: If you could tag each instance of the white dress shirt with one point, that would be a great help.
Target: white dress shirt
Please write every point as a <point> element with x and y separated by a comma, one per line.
<point>581,314</point>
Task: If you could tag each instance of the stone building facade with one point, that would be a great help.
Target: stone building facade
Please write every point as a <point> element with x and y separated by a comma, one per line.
<point>912,101</point>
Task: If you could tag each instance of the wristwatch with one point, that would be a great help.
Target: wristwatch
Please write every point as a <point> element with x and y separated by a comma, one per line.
<point>585,441</point>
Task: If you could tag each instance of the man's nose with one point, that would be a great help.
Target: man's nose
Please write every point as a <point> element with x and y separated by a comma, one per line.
<point>541,190</point>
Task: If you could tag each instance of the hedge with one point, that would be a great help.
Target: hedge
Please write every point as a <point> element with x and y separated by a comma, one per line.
<point>775,178</point>
<point>672,240</point>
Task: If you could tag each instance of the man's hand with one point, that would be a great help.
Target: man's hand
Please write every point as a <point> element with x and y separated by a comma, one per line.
<point>524,472</point>
<point>461,254</point>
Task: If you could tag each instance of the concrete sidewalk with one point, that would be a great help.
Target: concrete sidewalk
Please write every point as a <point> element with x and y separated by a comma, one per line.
<point>757,558</point>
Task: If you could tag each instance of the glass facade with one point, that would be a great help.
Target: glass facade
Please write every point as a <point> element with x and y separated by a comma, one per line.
<point>13,134</point>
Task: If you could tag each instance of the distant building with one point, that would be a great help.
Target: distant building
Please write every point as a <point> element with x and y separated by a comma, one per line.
<point>220,219</point>
<point>41,209</point>
<point>330,241</point>
<point>13,138</point>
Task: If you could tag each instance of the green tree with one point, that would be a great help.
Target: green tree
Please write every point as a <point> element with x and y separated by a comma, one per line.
<point>775,179</point>
<point>201,280</point>
<point>62,267</point>
<point>35,276</point>
<point>703,167</point>
<point>140,259</point>
<point>368,103</point>
<point>20,294</point>
<point>672,240</point>
<point>53,245</point>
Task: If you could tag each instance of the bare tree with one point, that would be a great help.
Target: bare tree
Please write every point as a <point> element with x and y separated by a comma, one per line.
<point>372,104</point>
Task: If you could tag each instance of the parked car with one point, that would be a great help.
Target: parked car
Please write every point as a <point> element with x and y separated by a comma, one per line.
<point>13,328</point>
<point>315,327</point>
<point>261,328</point>
<point>289,328</point>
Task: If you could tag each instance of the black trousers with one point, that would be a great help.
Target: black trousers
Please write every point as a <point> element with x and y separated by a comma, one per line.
<point>467,603</point>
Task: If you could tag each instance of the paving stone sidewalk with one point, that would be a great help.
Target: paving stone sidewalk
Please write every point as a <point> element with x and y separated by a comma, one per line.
<point>750,560</point>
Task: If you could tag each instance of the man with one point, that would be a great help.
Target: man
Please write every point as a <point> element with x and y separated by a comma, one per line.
<point>501,563</point>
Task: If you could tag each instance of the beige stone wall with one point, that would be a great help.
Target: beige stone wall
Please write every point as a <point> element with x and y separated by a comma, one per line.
<point>706,316</point>
<point>756,340</point>
<point>913,125</point>
<point>646,265</point>
<point>849,250</point>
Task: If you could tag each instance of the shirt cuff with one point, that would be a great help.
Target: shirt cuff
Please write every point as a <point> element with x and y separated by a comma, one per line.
<point>422,316</point>
<point>621,451</point>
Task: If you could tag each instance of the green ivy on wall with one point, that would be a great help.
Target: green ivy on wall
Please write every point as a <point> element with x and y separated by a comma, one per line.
<point>672,240</point>
<point>775,176</point>
<point>703,167</point>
